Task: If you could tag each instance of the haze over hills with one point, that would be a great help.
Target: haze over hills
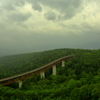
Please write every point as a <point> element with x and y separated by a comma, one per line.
<point>91,45</point>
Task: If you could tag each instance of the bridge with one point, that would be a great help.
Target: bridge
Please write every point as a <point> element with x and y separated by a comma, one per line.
<point>40,70</point>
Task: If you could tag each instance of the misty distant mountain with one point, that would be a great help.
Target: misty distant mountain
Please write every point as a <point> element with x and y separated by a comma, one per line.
<point>0,56</point>
<point>92,45</point>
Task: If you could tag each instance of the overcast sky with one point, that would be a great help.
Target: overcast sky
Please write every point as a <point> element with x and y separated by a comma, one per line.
<point>37,25</point>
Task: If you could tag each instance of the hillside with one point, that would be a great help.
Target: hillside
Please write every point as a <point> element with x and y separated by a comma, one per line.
<point>78,80</point>
<point>26,62</point>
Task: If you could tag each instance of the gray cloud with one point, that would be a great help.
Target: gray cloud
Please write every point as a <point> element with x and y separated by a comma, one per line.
<point>69,14</point>
<point>86,25</point>
<point>19,17</point>
<point>61,5</point>
<point>84,17</point>
<point>68,8</point>
<point>18,2</point>
<point>50,15</point>
<point>10,4</point>
<point>37,6</point>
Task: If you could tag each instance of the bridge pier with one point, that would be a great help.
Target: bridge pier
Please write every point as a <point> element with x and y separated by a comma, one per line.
<point>54,70</point>
<point>63,63</point>
<point>42,75</point>
<point>20,83</point>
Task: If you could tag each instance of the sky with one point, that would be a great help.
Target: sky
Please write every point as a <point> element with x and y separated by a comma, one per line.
<point>38,25</point>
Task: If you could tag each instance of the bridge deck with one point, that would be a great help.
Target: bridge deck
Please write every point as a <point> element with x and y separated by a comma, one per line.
<point>38,69</point>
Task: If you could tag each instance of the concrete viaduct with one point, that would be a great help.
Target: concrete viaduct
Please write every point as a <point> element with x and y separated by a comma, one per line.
<point>40,70</point>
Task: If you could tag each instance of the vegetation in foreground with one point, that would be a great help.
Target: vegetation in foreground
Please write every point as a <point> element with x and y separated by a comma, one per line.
<point>78,80</point>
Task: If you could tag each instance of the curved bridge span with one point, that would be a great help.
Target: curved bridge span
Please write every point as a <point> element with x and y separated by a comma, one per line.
<point>40,70</point>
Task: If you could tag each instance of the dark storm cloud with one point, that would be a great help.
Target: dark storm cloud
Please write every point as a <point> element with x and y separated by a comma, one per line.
<point>69,15</point>
<point>67,8</point>
<point>18,2</point>
<point>19,17</point>
<point>10,4</point>
<point>37,6</point>
<point>61,5</point>
<point>50,15</point>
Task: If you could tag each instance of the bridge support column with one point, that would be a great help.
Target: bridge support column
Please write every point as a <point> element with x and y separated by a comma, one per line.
<point>54,70</point>
<point>20,83</point>
<point>42,75</point>
<point>63,63</point>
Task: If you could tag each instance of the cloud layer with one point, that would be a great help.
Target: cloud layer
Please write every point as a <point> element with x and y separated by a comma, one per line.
<point>35,25</point>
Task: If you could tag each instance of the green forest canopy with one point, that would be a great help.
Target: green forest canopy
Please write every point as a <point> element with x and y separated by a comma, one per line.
<point>78,80</point>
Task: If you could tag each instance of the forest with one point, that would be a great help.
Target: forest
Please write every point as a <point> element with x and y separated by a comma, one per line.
<point>78,80</point>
